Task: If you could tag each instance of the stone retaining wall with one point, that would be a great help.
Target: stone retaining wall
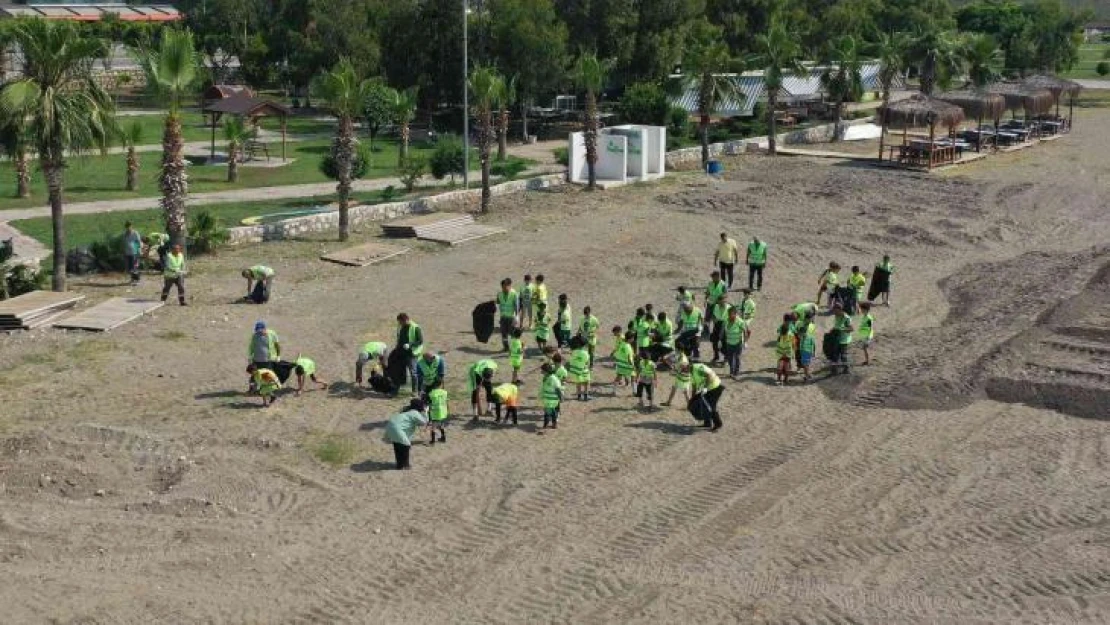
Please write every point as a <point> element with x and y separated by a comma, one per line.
<point>464,200</point>
<point>688,158</point>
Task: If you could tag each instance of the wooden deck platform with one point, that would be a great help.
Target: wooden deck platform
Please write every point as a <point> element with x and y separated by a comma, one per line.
<point>35,309</point>
<point>417,225</point>
<point>366,254</point>
<point>457,235</point>
<point>110,314</point>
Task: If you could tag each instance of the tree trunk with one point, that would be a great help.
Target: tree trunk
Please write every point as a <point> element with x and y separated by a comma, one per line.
<point>485,125</point>
<point>22,175</point>
<point>882,130</point>
<point>838,114</point>
<point>132,169</point>
<point>928,74</point>
<point>53,167</point>
<point>406,136</point>
<point>344,157</point>
<point>174,182</point>
<point>233,161</point>
<point>590,139</point>
<point>704,140</point>
<point>772,102</point>
<point>524,121</point>
<point>503,134</point>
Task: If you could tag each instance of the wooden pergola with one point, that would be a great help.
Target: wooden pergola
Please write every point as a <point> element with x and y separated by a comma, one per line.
<point>245,105</point>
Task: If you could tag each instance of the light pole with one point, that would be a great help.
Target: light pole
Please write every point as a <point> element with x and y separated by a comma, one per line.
<point>466,103</point>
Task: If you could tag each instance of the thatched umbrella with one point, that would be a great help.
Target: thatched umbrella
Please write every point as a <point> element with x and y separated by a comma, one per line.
<point>920,110</point>
<point>977,103</point>
<point>1056,86</point>
<point>1033,101</point>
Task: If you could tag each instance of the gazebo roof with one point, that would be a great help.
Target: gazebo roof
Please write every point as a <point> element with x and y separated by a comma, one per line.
<point>240,104</point>
<point>1054,84</point>
<point>976,102</point>
<point>221,92</point>
<point>921,110</point>
<point>1034,101</point>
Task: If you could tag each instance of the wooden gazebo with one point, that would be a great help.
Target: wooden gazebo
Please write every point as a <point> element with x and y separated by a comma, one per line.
<point>978,104</point>
<point>246,106</point>
<point>1056,86</point>
<point>920,110</point>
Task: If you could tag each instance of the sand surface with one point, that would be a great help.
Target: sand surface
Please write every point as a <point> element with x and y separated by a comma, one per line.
<point>139,485</point>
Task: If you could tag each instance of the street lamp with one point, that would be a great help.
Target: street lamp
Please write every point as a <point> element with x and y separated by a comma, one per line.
<point>466,101</point>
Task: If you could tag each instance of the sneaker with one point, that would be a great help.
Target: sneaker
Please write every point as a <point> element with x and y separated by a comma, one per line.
<point>443,437</point>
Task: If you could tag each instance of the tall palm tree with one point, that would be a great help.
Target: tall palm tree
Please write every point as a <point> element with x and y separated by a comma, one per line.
<point>345,93</point>
<point>62,107</point>
<point>172,70</point>
<point>705,63</point>
<point>15,141</point>
<point>485,84</point>
<point>780,53</point>
<point>590,75</point>
<point>404,111</point>
<point>984,60</point>
<point>236,133</point>
<point>842,78</point>
<point>890,50</point>
<point>940,53</point>
<point>506,98</point>
<point>132,136</point>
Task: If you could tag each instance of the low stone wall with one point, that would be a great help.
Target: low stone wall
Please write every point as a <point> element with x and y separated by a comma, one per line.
<point>464,200</point>
<point>690,158</point>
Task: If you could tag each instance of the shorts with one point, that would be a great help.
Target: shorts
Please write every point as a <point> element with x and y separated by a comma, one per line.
<point>804,358</point>
<point>784,363</point>
<point>440,423</point>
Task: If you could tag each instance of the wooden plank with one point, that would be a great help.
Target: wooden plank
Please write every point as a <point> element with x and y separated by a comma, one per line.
<point>110,314</point>
<point>424,220</point>
<point>363,255</point>
<point>462,234</point>
<point>36,302</point>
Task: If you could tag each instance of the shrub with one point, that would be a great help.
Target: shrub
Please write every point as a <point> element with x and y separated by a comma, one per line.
<point>15,280</point>
<point>206,233</point>
<point>644,103</point>
<point>562,156</point>
<point>388,193</point>
<point>448,159</point>
<point>1103,68</point>
<point>106,255</point>
<point>411,170</point>
<point>335,449</point>
<point>678,121</point>
<point>1106,53</point>
<point>508,169</point>
<point>359,168</point>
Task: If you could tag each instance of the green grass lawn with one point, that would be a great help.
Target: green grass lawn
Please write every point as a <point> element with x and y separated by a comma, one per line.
<point>101,177</point>
<point>195,127</point>
<point>1089,56</point>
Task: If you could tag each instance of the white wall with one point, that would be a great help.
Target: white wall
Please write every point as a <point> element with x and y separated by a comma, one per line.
<point>612,158</point>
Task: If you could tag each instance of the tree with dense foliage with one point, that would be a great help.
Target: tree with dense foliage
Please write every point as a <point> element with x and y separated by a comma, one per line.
<point>132,136</point>
<point>62,107</point>
<point>779,53</point>
<point>983,60</point>
<point>223,30</point>
<point>506,98</point>
<point>939,54</point>
<point>485,84</point>
<point>842,78</point>
<point>377,110</point>
<point>529,42</point>
<point>236,133</point>
<point>404,111</point>
<point>644,103</point>
<point>448,158</point>
<point>590,74</point>
<point>344,91</point>
<point>172,70</point>
<point>705,66</point>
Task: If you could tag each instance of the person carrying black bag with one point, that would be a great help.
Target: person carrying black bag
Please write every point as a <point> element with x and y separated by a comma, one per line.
<point>707,390</point>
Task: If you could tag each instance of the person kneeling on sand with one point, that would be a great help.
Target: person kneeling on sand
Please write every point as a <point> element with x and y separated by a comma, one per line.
<point>401,428</point>
<point>266,382</point>
<point>258,274</point>
<point>505,395</point>
<point>306,368</point>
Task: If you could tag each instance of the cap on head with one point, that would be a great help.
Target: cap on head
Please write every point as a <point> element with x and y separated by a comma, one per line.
<point>260,325</point>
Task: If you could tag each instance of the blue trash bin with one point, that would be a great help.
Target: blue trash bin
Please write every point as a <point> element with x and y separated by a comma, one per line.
<point>714,167</point>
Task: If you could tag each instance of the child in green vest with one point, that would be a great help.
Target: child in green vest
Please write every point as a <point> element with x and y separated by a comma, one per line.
<point>551,394</point>
<point>579,368</point>
<point>747,306</point>
<point>867,331</point>
<point>438,412</point>
<point>267,383</point>
<point>306,367</point>
<point>807,344</point>
<point>858,281</point>
<point>784,351</point>
<point>623,357</point>
<point>543,326</point>
<point>527,297</point>
<point>563,322</point>
<point>587,329</point>
<point>645,379</point>
<point>516,354</point>
<point>680,368</point>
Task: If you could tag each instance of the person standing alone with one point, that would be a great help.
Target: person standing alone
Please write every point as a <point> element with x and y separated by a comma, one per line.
<point>173,274</point>
<point>725,257</point>
<point>756,259</point>
<point>508,306</point>
<point>132,251</point>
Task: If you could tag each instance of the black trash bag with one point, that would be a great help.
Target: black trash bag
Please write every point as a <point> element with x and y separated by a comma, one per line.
<point>880,283</point>
<point>397,367</point>
<point>830,345</point>
<point>382,384</point>
<point>485,322</point>
<point>699,408</point>
<point>283,369</point>
<point>847,297</point>
<point>80,261</point>
<point>259,294</point>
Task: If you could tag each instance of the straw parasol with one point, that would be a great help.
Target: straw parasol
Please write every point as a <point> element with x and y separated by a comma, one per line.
<point>919,110</point>
<point>1056,86</point>
<point>1032,101</point>
<point>977,103</point>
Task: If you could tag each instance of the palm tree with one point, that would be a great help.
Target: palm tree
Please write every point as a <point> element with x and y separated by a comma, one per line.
<point>704,65</point>
<point>779,54</point>
<point>62,107</point>
<point>404,111</point>
<point>345,93</point>
<point>590,75</point>
<point>983,58</point>
<point>941,56</point>
<point>506,98</point>
<point>15,142</point>
<point>485,84</point>
<point>236,133</point>
<point>890,51</point>
<point>842,79</point>
<point>172,69</point>
<point>132,136</point>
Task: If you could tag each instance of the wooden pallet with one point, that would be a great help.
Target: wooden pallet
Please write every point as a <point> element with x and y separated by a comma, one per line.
<point>35,309</point>
<point>456,235</point>
<point>363,255</point>
<point>110,314</point>
<point>418,225</point>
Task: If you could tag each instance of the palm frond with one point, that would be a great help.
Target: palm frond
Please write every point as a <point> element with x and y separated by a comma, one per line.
<point>173,68</point>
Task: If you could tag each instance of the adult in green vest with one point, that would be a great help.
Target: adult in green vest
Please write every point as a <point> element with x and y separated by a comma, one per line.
<point>707,388</point>
<point>716,290</point>
<point>662,337</point>
<point>587,329</point>
<point>256,274</point>
<point>735,333</point>
<point>373,352</point>
<point>401,429</point>
<point>263,349</point>
<point>757,260</point>
<point>689,338</point>
<point>430,368</point>
<point>410,340</point>
<point>480,377</point>
<point>551,394</point>
<point>173,274</point>
<point>508,307</point>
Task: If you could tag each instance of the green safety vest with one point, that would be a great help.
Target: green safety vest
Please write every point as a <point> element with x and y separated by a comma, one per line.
<point>507,303</point>
<point>175,265</point>
<point>832,280</point>
<point>565,319</point>
<point>691,320</point>
<point>416,349</point>
<point>374,349</point>
<point>715,290</point>
<point>588,328</point>
<point>665,331</point>
<point>808,343</point>
<point>747,308</point>
<point>429,371</point>
<point>516,351</point>
<point>784,345</point>
<point>841,325</point>
<point>647,368</point>
<point>307,364</point>
<point>579,362</point>
<point>543,326</point>
<point>867,326</point>
<point>259,272</point>
<point>622,356</point>
<point>679,375</point>
<point>734,331</point>
<point>757,253</point>
<point>720,312</point>
<point>643,332</point>
<point>437,404</point>
<point>550,392</point>
<point>506,392</point>
<point>704,377</point>
<point>476,371</point>
<point>858,282</point>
